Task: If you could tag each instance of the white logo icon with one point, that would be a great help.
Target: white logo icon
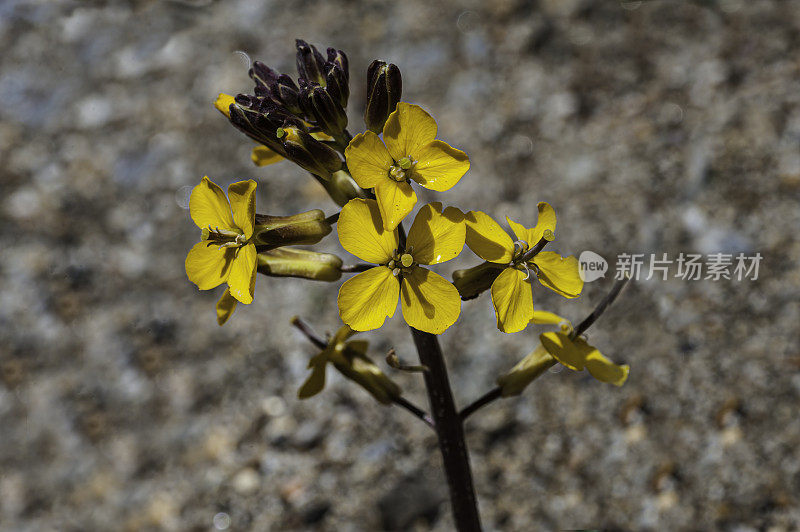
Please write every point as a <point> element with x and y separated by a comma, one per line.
<point>592,266</point>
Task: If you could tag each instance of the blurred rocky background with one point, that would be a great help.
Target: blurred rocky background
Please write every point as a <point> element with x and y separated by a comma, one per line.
<point>652,127</point>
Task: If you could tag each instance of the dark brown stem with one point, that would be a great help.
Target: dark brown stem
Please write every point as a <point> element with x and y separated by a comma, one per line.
<point>309,333</point>
<point>450,432</point>
<point>600,308</point>
<point>479,403</point>
<point>414,409</point>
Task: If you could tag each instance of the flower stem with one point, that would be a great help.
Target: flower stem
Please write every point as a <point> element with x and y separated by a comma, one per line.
<point>450,432</point>
<point>485,399</point>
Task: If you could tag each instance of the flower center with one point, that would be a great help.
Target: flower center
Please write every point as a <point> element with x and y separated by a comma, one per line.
<point>225,238</point>
<point>399,170</point>
<point>402,262</point>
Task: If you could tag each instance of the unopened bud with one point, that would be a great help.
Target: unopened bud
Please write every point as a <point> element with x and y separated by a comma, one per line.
<point>292,262</point>
<point>337,77</point>
<point>338,58</point>
<point>474,281</point>
<point>278,87</point>
<point>384,88</point>
<point>310,63</point>
<point>328,113</point>
<point>306,151</point>
<point>304,228</point>
<point>258,119</point>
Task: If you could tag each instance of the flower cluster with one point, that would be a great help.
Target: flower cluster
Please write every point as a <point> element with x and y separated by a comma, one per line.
<point>372,176</point>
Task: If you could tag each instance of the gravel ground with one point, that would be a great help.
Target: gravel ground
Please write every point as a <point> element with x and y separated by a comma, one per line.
<point>651,127</point>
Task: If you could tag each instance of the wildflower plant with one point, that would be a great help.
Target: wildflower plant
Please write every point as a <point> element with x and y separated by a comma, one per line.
<point>371,179</point>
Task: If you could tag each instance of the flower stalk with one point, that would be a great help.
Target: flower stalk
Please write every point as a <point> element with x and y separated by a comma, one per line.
<point>449,431</point>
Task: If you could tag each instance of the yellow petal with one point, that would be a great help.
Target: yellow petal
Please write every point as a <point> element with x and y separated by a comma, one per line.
<point>209,206</point>
<point>560,274</point>
<point>225,307</point>
<point>366,300</point>
<point>436,236</point>
<point>407,130</point>
<point>569,353</point>
<point>487,239</point>
<point>604,370</point>
<point>320,135</point>
<point>439,166</point>
<point>546,220</point>
<point>429,302</point>
<point>242,280</point>
<point>368,159</point>
<point>223,103</point>
<point>243,204</point>
<point>396,200</point>
<point>513,300</point>
<point>263,156</point>
<point>314,383</point>
<point>544,317</point>
<point>361,232</point>
<point>208,266</point>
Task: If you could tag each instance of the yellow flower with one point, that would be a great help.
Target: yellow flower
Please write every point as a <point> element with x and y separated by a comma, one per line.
<point>225,253</point>
<point>408,152</point>
<point>511,293</point>
<point>350,359</point>
<point>575,354</point>
<point>429,302</point>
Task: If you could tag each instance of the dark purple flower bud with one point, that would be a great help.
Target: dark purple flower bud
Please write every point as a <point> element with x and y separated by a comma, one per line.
<point>339,58</point>
<point>328,113</point>
<point>306,151</point>
<point>279,87</point>
<point>263,75</point>
<point>286,92</point>
<point>310,63</point>
<point>337,83</point>
<point>384,88</point>
<point>259,119</point>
